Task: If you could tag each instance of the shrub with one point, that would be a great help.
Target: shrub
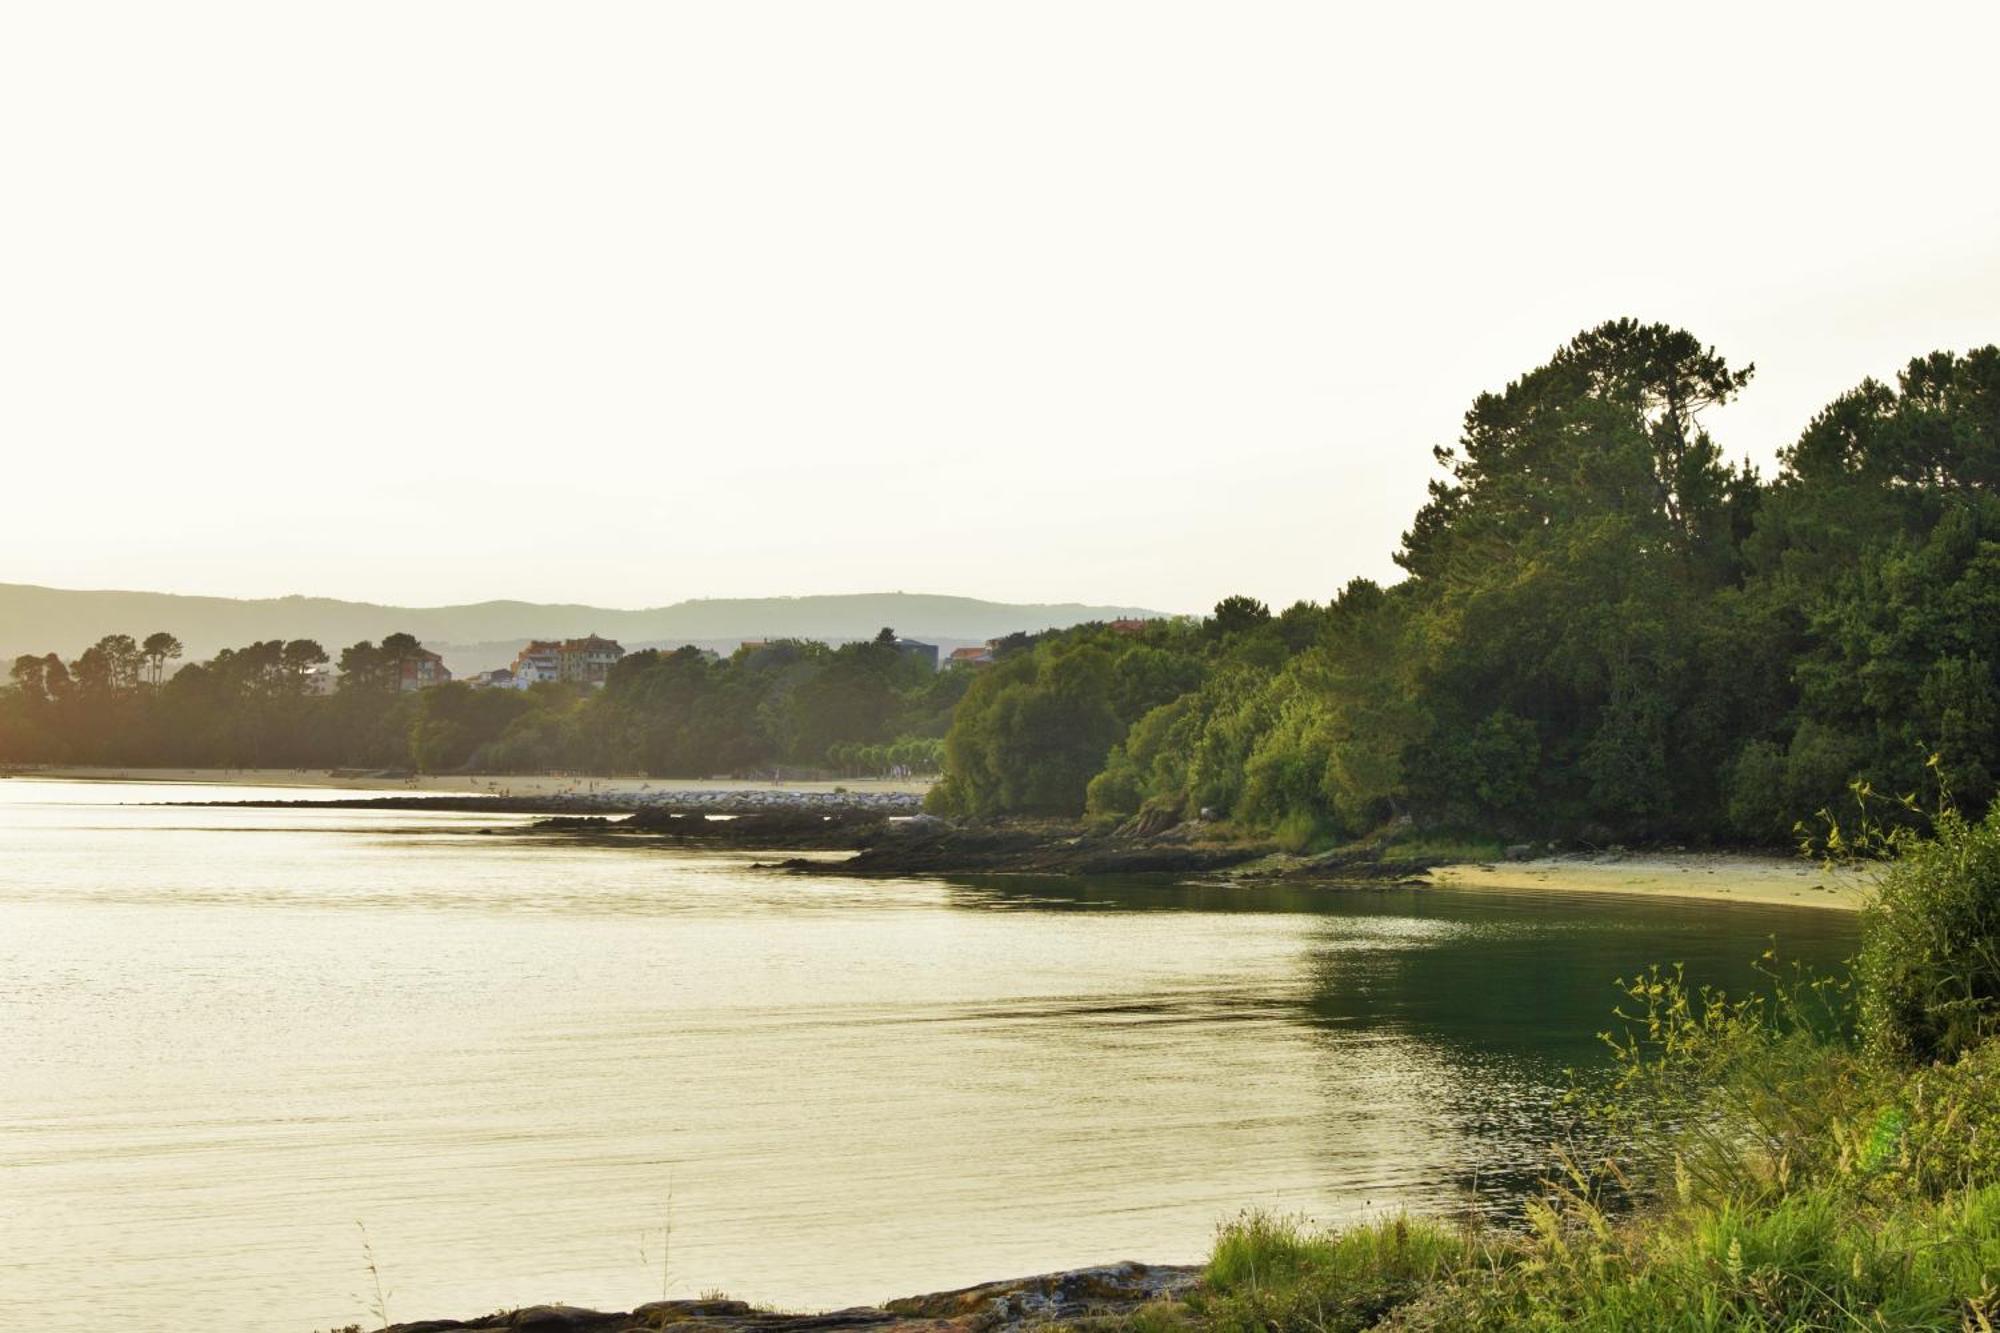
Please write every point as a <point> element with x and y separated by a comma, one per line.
<point>1302,831</point>
<point>1929,967</point>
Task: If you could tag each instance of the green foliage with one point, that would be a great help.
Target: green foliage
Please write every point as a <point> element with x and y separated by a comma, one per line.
<point>861,709</point>
<point>1760,1168</point>
<point>1031,733</point>
<point>1607,633</point>
<point>1267,1272</point>
<point>1929,966</point>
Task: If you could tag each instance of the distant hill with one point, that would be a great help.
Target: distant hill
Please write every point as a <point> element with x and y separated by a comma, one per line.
<point>485,634</point>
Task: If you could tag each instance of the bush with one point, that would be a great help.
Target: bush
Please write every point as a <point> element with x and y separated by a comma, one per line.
<point>1929,967</point>
<point>1302,831</point>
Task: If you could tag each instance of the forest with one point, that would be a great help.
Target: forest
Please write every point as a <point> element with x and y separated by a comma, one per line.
<point>859,709</point>
<point>1604,630</point>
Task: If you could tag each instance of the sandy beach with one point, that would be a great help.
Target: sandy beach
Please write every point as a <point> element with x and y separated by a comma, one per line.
<point>1714,876</point>
<point>547,784</point>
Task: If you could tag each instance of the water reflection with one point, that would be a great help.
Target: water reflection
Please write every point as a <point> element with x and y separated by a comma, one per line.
<point>1464,1016</point>
<point>231,1033</point>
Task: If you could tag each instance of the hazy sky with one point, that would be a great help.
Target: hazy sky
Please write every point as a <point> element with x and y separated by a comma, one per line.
<point>1145,303</point>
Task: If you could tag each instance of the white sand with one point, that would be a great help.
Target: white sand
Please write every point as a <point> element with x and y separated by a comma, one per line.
<point>1724,877</point>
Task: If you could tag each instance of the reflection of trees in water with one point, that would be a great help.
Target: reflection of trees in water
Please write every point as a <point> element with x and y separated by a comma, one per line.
<point>1445,1022</point>
<point>1506,996</point>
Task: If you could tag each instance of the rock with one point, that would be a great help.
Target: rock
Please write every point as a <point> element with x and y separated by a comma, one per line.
<point>916,826</point>
<point>557,1318</point>
<point>993,1307</point>
<point>1023,848</point>
<point>1520,851</point>
<point>528,1319</point>
<point>1150,822</point>
<point>1110,1289</point>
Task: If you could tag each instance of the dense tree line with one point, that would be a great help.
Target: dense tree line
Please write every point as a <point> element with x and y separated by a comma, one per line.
<point>1605,631</point>
<point>859,709</point>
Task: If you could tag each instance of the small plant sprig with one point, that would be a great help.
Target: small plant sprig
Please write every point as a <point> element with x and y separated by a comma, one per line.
<point>1880,825</point>
<point>377,1301</point>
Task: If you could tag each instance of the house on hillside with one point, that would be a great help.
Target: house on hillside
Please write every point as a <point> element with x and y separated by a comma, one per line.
<point>1128,626</point>
<point>587,661</point>
<point>540,660</point>
<point>970,657</point>
<point>926,653</point>
<point>421,670</point>
<point>584,661</point>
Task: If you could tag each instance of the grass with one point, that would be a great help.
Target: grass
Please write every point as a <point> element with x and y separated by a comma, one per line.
<point>1444,846</point>
<point>1268,1272</point>
<point>1809,1259</point>
<point>1301,832</point>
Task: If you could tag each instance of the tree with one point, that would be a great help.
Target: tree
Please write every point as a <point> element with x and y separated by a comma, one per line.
<point>397,652</point>
<point>1608,428</point>
<point>109,666</point>
<point>1236,615</point>
<point>29,675</point>
<point>159,648</point>
<point>298,658</point>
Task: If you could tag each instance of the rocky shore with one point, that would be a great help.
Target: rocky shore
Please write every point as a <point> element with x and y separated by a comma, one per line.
<point>930,846</point>
<point>888,834</point>
<point>706,801</point>
<point>1073,1298</point>
<point>887,831</point>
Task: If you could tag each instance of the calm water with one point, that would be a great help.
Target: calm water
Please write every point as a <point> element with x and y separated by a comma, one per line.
<point>232,1034</point>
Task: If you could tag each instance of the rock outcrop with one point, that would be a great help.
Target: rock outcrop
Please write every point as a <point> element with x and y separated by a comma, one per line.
<point>937,847</point>
<point>993,1307</point>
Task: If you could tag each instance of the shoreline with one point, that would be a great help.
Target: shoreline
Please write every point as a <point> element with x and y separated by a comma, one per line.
<point>1114,1290</point>
<point>1729,877</point>
<point>467,784</point>
<point>1767,879</point>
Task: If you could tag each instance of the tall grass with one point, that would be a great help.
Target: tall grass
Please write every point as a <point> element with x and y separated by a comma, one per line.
<point>1271,1272</point>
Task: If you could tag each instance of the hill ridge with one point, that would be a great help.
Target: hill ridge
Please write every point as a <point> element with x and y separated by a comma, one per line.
<point>473,635</point>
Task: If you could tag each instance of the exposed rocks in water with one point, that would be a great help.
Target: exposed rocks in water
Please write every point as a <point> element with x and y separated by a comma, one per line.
<point>936,847</point>
<point>800,830</point>
<point>622,801</point>
<point>890,835</point>
<point>1346,865</point>
<point>994,1307</point>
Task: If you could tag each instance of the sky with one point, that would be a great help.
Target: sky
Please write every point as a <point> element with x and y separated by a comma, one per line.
<point>1142,303</point>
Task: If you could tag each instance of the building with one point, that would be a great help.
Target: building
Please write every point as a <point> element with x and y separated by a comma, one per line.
<point>926,653</point>
<point>587,661</point>
<point>584,661</point>
<point>970,657</point>
<point>324,679</point>
<point>421,670</point>
<point>1128,626</point>
<point>540,660</point>
<point>500,678</point>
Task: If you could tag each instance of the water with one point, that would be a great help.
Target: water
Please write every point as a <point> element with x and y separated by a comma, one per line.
<point>231,1035</point>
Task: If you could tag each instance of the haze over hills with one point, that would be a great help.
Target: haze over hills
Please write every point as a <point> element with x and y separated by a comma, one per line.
<point>485,634</point>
